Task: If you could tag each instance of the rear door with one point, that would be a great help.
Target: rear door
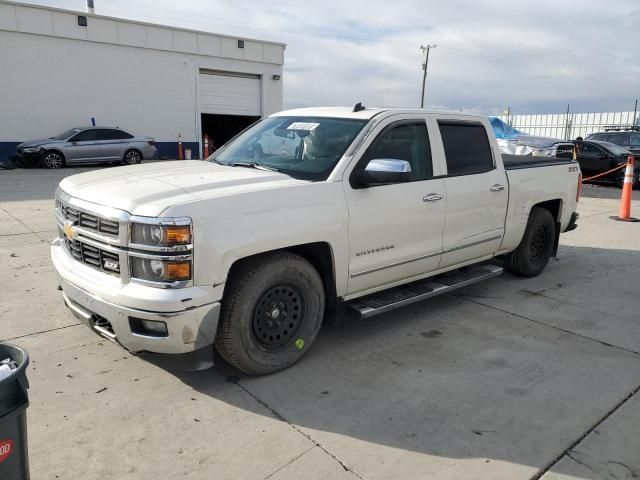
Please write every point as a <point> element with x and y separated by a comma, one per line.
<point>476,190</point>
<point>395,230</point>
<point>114,143</point>
<point>84,147</point>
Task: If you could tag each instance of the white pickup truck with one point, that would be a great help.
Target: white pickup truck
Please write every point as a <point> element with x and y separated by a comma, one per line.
<point>372,210</point>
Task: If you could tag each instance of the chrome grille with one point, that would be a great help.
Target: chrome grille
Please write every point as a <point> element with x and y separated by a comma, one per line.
<point>92,256</point>
<point>89,221</point>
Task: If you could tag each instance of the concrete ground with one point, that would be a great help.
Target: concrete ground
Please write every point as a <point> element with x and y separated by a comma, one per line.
<point>510,379</point>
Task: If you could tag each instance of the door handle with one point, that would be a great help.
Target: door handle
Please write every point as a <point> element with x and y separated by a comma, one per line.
<point>497,188</point>
<point>432,197</point>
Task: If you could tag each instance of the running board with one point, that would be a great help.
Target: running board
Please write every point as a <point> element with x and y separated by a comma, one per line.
<point>386,300</point>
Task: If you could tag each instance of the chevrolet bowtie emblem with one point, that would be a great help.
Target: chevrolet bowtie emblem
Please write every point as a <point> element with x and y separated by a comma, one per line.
<point>69,230</point>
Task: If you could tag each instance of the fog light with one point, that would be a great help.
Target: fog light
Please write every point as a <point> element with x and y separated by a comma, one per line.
<point>148,328</point>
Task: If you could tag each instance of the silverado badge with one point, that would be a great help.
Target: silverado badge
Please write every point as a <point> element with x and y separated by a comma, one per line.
<point>69,230</point>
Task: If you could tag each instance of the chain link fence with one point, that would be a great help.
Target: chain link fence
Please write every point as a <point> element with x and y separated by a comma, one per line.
<point>572,125</point>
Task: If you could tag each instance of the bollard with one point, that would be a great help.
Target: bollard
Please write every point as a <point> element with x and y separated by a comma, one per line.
<point>624,215</point>
<point>180,152</point>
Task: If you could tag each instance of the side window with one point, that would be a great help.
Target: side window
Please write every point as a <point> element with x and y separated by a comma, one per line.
<point>407,141</point>
<point>118,135</point>
<point>103,134</point>
<point>466,147</point>
<point>589,148</point>
<point>85,136</point>
<point>634,139</point>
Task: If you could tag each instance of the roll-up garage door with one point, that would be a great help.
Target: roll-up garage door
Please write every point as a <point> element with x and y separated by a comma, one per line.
<point>229,94</point>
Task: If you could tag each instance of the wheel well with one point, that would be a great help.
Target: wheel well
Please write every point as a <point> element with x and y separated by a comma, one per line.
<point>49,150</point>
<point>553,206</point>
<point>319,255</point>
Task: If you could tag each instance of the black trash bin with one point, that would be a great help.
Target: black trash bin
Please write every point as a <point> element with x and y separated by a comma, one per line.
<point>14,457</point>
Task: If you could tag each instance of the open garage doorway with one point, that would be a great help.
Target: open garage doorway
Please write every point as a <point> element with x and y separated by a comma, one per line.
<point>229,102</point>
<point>222,128</point>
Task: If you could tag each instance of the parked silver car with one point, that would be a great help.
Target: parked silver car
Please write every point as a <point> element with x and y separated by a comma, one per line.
<point>86,145</point>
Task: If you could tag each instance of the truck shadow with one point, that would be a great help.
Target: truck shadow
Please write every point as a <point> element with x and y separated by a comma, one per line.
<point>511,370</point>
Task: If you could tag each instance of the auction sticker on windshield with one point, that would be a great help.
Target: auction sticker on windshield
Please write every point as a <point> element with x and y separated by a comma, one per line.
<point>303,126</point>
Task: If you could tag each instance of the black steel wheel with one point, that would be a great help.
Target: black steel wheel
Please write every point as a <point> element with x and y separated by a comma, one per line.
<point>535,249</point>
<point>278,316</point>
<point>272,310</point>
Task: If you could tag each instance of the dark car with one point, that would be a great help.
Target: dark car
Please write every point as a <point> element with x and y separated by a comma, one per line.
<point>595,157</point>
<point>629,139</point>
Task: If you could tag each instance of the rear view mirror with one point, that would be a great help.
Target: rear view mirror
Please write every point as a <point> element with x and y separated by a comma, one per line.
<point>381,171</point>
<point>283,132</point>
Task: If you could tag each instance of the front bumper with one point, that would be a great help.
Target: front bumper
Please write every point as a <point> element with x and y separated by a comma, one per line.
<point>27,160</point>
<point>190,313</point>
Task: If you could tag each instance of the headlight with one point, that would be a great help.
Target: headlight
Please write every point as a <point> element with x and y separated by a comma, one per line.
<point>156,270</point>
<point>32,149</point>
<point>160,235</point>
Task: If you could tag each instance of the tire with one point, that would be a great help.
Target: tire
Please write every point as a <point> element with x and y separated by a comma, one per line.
<point>261,292</point>
<point>533,253</point>
<point>131,157</point>
<point>53,159</point>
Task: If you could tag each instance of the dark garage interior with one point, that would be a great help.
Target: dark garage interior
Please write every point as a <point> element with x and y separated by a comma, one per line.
<point>222,128</point>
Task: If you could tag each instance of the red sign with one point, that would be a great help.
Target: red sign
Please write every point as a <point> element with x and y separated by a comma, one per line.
<point>6,449</point>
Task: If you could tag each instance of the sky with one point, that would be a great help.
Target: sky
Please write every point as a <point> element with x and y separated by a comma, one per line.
<point>533,56</point>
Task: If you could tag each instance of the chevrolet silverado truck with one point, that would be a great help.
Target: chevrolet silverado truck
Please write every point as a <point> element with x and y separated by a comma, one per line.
<point>372,210</point>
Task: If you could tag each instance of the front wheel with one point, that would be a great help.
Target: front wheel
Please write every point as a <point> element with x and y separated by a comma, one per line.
<point>53,160</point>
<point>271,313</point>
<point>536,246</point>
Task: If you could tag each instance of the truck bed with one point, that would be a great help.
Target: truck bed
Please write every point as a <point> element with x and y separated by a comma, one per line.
<point>516,162</point>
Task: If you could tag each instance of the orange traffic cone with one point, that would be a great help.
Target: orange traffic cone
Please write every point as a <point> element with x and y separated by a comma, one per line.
<point>624,214</point>
<point>180,152</point>
<point>206,146</point>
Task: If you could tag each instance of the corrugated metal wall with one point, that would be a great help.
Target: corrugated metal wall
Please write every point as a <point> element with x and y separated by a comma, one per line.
<point>578,124</point>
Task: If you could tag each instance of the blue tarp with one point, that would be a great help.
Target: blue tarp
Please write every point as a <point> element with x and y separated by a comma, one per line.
<point>503,130</point>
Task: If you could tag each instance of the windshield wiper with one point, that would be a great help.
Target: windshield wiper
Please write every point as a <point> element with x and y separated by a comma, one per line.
<point>257,166</point>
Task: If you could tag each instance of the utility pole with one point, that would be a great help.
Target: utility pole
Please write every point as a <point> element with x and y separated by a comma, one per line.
<point>635,111</point>
<point>425,65</point>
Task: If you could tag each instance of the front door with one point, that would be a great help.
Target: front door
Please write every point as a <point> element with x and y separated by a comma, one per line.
<point>477,193</point>
<point>592,159</point>
<point>84,147</point>
<point>395,230</point>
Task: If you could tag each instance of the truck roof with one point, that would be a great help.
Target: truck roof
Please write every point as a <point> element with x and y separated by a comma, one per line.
<point>366,114</point>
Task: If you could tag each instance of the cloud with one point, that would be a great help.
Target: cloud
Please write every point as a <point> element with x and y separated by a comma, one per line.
<point>532,55</point>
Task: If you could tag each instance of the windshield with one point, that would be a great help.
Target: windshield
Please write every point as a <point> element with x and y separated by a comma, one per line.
<point>303,147</point>
<point>615,149</point>
<point>66,134</point>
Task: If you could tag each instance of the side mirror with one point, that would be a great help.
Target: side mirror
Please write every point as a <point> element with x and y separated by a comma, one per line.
<point>381,171</point>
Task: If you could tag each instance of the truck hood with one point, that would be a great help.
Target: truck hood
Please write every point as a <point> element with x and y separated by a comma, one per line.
<point>149,189</point>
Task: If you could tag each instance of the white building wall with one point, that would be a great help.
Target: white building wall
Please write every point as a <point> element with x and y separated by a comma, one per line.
<point>137,76</point>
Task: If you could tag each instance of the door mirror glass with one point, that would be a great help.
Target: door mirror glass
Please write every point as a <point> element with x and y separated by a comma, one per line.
<point>380,171</point>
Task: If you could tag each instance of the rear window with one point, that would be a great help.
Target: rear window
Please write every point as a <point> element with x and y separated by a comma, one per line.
<point>466,147</point>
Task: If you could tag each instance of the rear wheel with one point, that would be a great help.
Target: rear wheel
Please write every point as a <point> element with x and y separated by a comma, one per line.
<point>132,157</point>
<point>52,159</point>
<point>271,313</point>
<point>534,251</point>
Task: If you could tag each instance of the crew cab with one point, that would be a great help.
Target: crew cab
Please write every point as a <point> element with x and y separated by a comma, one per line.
<point>373,209</point>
